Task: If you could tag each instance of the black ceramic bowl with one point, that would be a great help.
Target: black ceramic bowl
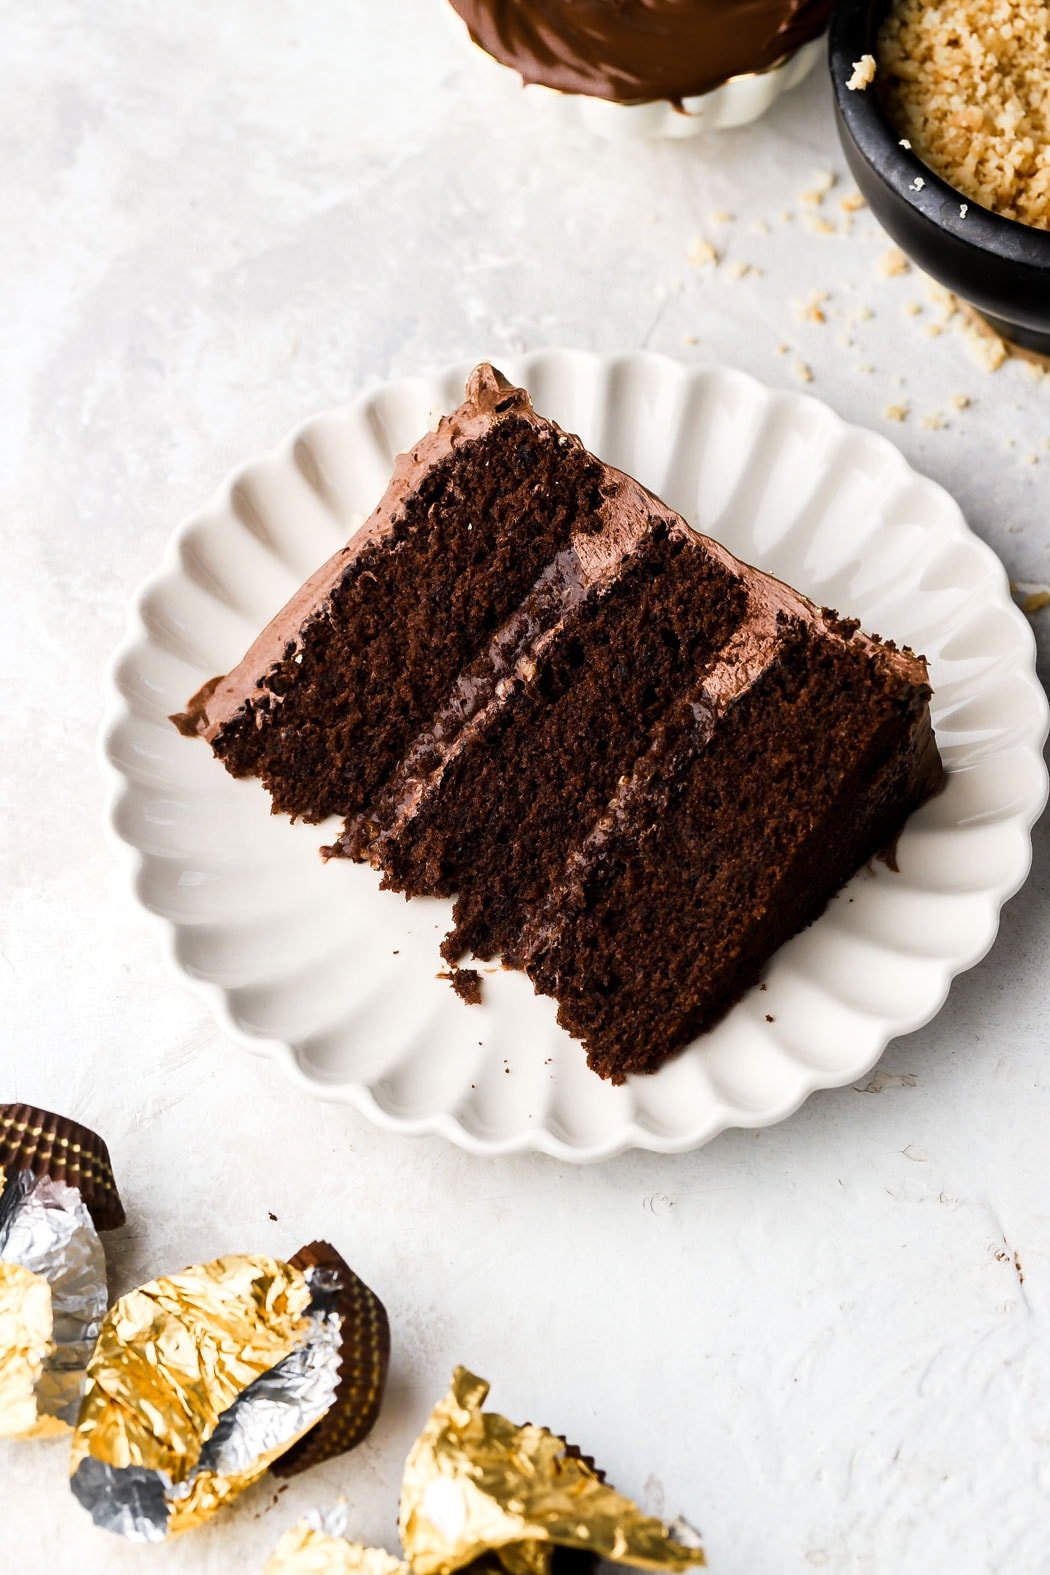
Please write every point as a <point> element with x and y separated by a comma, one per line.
<point>1000,266</point>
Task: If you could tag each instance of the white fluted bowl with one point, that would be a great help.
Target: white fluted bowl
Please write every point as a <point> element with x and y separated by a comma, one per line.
<point>316,967</point>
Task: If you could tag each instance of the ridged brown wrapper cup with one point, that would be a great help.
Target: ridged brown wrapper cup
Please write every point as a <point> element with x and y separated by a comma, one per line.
<point>364,1360</point>
<point>50,1145</point>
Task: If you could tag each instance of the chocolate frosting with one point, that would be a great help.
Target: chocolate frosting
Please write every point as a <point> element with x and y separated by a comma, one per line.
<point>489,398</point>
<point>631,50</point>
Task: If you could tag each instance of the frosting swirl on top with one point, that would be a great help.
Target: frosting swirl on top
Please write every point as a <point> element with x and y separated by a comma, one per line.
<point>630,50</point>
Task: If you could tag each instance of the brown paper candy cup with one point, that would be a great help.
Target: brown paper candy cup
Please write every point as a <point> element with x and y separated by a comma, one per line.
<point>49,1145</point>
<point>364,1359</point>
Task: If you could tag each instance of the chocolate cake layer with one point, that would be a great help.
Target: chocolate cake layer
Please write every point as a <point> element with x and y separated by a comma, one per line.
<point>338,684</point>
<point>795,758</point>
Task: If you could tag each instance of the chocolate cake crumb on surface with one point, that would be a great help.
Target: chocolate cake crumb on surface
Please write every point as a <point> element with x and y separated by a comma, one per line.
<point>466,982</point>
<point>637,764</point>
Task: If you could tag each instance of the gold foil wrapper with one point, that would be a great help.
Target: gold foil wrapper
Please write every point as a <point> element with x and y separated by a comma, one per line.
<point>172,1359</point>
<point>476,1484</point>
<point>305,1550</point>
<point>26,1327</point>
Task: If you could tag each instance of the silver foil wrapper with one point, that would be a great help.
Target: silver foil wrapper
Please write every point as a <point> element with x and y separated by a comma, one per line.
<point>45,1228</point>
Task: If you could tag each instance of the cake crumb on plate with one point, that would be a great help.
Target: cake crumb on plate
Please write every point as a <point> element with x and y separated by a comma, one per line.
<point>466,982</point>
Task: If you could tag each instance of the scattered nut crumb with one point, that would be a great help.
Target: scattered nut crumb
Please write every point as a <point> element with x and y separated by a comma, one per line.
<point>912,308</point>
<point>863,74</point>
<point>1031,596</point>
<point>893,263</point>
<point>738,269</point>
<point>960,401</point>
<point>721,217</point>
<point>986,347</point>
<point>933,422</point>
<point>691,339</point>
<point>1031,459</point>
<point>816,225</point>
<point>865,369</point>
<point>896,412</point>
<point>821,183</point>
<point>811,310</point>
<point>702,253</point>
<point>803,372</point>
<point>853,202</point>
<point>760,227</point>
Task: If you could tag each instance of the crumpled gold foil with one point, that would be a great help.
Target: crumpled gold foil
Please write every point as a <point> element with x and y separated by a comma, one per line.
<point>172,1357</point>
<point>26,1327</point>
<point>475,1484</point>
<point>304,1550</point>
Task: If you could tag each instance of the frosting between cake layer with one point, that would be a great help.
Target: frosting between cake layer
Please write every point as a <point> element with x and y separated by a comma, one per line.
<point>636,50</point>
<point>588,567</point>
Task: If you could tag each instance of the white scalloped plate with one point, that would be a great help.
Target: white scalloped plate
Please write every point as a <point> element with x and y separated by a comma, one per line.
<point>315,966</point>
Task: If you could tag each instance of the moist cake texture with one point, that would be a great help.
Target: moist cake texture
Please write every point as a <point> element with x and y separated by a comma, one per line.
<point>638,764</point>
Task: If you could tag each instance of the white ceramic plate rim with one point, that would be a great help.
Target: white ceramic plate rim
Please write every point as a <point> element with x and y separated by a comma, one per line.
<point>632,1134</point>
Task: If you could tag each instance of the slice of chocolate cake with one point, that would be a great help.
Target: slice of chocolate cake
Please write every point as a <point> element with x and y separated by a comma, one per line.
<point>639,764</point>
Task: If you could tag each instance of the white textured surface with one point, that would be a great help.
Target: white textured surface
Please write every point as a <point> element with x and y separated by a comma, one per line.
<point>318,968</point>
<point>210,231</point>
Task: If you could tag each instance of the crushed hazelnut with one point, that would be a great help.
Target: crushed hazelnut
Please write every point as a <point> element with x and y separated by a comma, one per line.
<point>863,74</point>
<point>702,253</point>
<point>893,263</point>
